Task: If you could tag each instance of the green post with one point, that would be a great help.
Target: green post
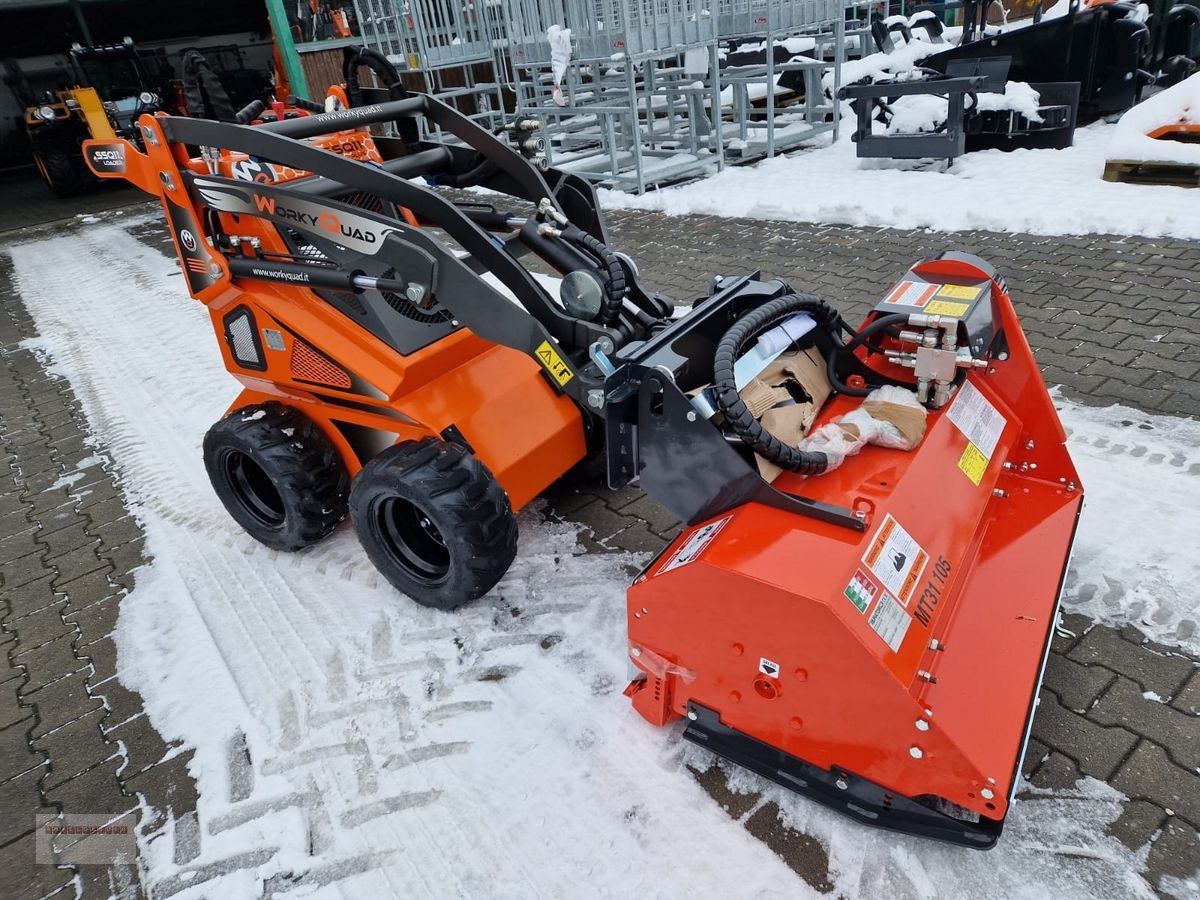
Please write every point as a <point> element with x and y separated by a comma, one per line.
<point>287,48</point>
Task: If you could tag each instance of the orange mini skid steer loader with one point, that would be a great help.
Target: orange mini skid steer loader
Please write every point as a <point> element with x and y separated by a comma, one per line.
<point>869,631</point>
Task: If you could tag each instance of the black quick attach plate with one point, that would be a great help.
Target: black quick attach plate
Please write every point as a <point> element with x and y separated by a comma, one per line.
<point>840,790</point>
<point>656,436</point>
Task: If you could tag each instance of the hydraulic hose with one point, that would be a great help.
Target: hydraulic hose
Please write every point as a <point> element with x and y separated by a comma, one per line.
<point>610,309</point>
<point>483,170</point>
<point>741,421</point>
<point>887,324</point>
<point>880,324</point>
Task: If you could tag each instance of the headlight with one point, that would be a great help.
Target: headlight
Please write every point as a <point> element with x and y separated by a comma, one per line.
<point>147,98</point>
<point>46,113</point>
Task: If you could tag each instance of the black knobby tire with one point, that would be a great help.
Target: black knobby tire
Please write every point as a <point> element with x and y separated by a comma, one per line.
<point>65,176</point>
<point>434,521</point>
<point>278,475</point>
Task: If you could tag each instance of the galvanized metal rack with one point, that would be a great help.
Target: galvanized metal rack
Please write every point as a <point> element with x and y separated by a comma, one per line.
<point>634,104</point>
<point>448,42</point>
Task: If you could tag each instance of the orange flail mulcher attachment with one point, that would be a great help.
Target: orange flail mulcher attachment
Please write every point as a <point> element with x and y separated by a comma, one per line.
<point>892,671</point>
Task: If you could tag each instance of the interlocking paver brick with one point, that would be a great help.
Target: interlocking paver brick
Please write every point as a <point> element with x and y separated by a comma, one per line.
<point>167,785</point>
<point>1176,854</point>
<point>117,532</point>
<point>20,800</point>
<point>144,746</point>
<point>97,619</point>
<point>1076,685</point>
<point>12,713</point>
<point>75,747</point>
<point>102,653</point>
<point>1137,823</point>
<point>31,597</point>
<point>68,539</point>
<point>62,701</point>
<point>1149,774</point>
<point>89,588</point>
<point>94,792</point>
<point>1097,749</point>
<point>24,877</point>
<point>1124,704</point>
<point>79,562</point>
<point>1188,699</point>
<point>41,626</point>
<point>50,661</point>
<point>15,755</point>
<point>1056,772</point>
<point>1154,672</point>
<point>15,573</point>
<point>123,704</point>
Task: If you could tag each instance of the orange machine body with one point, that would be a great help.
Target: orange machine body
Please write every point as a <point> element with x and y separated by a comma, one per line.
<point>362,392</point>
<point>908,654</point>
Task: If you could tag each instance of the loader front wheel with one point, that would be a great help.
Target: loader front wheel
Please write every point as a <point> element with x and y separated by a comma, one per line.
<point>434,521</point>
<point>63,174</point>
<point>277,474</point>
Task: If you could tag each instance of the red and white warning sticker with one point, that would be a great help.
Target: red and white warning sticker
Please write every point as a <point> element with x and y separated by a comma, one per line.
<point>896,559</point>
<point>691,549</point>
<point>911,293</point>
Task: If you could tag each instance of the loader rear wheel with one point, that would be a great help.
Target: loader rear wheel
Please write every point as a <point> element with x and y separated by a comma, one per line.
<point>434,521</point>
<point>277,474</point>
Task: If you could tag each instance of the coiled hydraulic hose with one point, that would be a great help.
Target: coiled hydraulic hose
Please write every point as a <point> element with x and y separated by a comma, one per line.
<point>615,288</point>
<point>738,416</point>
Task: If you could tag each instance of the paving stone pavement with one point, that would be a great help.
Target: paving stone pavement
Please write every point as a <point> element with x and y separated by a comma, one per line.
<point>73,740</point>
<point>1110,318</point>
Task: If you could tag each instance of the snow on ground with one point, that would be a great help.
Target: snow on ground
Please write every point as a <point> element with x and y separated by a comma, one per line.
<point>1133,558</point>
<point>398,751</point>
<point>1025,191</point>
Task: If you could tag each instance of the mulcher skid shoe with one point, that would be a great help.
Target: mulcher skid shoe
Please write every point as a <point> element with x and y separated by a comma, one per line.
<point>884,660</point>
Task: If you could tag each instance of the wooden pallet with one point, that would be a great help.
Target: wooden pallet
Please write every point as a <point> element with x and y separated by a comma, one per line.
<point>1179,175</point>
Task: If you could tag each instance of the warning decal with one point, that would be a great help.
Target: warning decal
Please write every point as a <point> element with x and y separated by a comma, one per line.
<point>554,364</point>
<point>943,308</point>
<point>896,559</point>
<point>960,291</point>
<point>973,463</point>
<point>890,621</point>
<point>974,416</point>
<point>861,590</point>
<point>768,667</point>
<point>911,293</point>
<point>691,549</point>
